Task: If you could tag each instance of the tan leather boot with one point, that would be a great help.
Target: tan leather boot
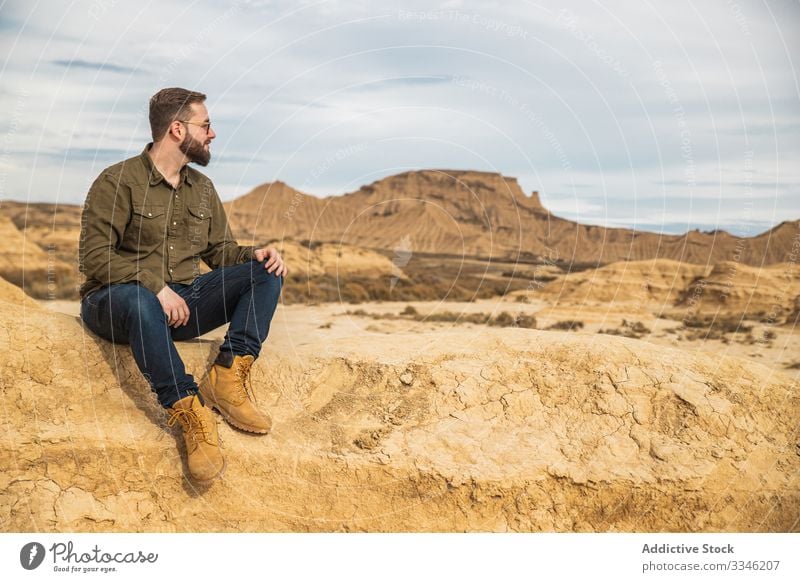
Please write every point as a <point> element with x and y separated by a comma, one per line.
<point>226,389</point>
<point>200,434</point>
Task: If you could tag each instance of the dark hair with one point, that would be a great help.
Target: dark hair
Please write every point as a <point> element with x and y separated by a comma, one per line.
<point>169,105</point>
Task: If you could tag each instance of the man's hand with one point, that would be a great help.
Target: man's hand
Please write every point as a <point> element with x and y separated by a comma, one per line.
<point>274,264</point>
<point>174,306</point>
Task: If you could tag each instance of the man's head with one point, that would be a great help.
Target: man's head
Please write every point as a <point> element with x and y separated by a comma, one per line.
<point>179,115</point>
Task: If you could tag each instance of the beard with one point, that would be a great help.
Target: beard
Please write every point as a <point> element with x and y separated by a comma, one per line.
<point>195,151</point>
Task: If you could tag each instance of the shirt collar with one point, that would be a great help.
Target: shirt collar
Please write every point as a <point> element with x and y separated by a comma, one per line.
<point>154,175</point>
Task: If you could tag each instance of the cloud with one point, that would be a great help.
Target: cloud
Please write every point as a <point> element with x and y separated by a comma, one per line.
<point>401,83</point>
<point>104,67</point>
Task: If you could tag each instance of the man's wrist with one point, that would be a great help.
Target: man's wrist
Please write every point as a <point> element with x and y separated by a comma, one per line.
<point>247,254</point>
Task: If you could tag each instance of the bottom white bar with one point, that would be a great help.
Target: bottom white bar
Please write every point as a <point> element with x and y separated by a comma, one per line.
<point>406,557</point>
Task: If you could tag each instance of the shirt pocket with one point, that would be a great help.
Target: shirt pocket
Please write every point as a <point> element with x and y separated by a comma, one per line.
<point>148,226</point>
<point>198,228</point>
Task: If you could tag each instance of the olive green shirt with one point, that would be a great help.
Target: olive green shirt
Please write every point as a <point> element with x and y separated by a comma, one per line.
<point>136,227</point>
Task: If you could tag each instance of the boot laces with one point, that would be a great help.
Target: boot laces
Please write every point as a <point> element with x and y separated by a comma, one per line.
<point>192,424</point>
<point>242,373</point>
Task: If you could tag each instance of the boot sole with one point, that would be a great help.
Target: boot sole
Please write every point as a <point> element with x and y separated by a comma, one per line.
<point>230,420</point>
<point>238,425</point>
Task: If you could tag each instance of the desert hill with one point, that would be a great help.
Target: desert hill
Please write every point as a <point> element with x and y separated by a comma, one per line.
<point>677,290</point>
<point>660,281</point>
<point>451,212</point>
<point>479,214</point>
<point>452,233</point>
<point>440,213</point>
<point>53,227</point>
<point>456,430</point>
<point>335,260</point>
<point>25,263</point>
<point>733,288</point>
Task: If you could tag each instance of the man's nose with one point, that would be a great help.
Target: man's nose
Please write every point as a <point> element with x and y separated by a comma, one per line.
<point>211,133</point>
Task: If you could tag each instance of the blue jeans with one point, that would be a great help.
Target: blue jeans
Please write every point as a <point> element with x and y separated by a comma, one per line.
<point>245,295</point>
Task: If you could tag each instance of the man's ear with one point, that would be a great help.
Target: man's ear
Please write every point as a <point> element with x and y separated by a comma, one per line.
<point>176,130</point>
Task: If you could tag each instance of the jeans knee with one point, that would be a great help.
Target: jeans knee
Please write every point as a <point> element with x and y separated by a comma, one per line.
<point>142,306</point>
<point>260,274</point>
<point>270,284</point>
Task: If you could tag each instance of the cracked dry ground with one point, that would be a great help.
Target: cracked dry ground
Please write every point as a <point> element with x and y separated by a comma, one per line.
<point>476,430</point>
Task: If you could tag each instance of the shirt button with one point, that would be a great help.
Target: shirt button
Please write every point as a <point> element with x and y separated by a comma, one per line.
<point>171,247</point>
<point>149,214</point>
<point>202,215</point>
<point>174,223</point>
<point>170,270</point>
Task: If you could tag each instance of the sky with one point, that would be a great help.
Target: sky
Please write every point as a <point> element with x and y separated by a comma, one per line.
<point>659,116</point>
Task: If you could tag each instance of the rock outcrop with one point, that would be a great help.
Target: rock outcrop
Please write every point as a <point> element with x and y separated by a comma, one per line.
<point>24,262</point>
<point>16,297</point>
<point>741,290</point>
<point>335,260</point>
<point>726,290</point>
<point>655,282</point>
<point>500,430</point>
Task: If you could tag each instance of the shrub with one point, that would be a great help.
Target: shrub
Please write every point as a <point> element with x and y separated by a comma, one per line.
<point>633,329</point>
<point>720,325</point>
<point>567,325</point>
<point>504,319</point>
<point>526,321</point>
<point>353,292</point>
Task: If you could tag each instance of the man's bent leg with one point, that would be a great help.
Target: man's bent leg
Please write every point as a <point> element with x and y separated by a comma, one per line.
<point>129,313</point>
<point>254,311</point>
<point>247,296</point>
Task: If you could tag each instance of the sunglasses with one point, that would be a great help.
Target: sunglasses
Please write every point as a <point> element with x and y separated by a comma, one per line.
<point>205,124</point>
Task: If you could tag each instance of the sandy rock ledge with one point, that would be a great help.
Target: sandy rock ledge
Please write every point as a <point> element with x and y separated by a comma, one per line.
<point>468,430</point>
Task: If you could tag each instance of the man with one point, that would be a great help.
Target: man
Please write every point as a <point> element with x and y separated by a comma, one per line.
<point>146,225</point>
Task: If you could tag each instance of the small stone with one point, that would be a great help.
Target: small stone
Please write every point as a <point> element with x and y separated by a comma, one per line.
<point>407,379</point>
